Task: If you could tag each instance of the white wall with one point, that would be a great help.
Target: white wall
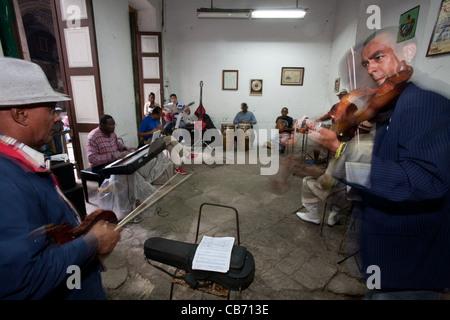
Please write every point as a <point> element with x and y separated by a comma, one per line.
<point>199,49</point>
<point>344,38</point>
<point>436,69</point>
<point>431,72</point>
<point>149,14</point>
<point>116,68</point>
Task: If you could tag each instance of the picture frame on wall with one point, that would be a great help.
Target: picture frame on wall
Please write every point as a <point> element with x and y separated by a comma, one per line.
<point>292,76</point>
<point>408,24</point>
<point>256,87</point>
<point>440,38</point>
<point>337,85</point>
<point>230,79</point>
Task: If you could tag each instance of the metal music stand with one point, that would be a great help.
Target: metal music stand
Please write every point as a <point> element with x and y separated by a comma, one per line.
<point>214,289</point>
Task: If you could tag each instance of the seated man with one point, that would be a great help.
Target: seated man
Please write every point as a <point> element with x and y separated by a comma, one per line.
<point>103,147</point>
<point>171,113</point>
<point>285,126</point>
<point>246,117</point>
<point>55,146</point>
<point>151,124</point>
<point>321,186</point>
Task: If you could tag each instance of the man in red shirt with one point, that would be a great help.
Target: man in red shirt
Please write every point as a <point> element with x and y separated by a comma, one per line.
<point>103,146</point>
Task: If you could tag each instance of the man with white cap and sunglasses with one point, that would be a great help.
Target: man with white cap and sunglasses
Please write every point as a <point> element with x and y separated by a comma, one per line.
<point>33,268</point>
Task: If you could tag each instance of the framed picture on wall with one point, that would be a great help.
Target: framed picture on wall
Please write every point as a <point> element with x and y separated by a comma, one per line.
<point>292,76</point>
<point>256,86</point>
<point>408,24</point>
<point>230,79</point>
<point>337,85</point>
<point>440,38</point>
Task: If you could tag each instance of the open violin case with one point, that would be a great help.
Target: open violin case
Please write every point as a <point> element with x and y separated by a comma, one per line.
<point>181,254</point>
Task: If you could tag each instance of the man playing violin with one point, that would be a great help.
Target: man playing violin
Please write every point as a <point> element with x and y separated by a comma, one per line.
<point>405,199</point>
<point>32,267</point>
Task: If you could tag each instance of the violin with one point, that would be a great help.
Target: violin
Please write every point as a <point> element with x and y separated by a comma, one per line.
<point>346,116</point>
<point>65,232</point>
<point>377,100</point>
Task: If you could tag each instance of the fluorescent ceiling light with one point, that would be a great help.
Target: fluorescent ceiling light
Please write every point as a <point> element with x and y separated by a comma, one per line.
<point>279,14</point>
<point>223,13</point>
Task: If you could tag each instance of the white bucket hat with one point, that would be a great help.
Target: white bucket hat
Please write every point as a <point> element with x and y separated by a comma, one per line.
<point>23,83</point>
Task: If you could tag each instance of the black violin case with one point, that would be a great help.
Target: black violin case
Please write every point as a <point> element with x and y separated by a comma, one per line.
<point>180,255</point>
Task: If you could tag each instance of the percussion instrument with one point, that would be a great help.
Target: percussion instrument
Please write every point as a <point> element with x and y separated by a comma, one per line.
<point>227,130</point>
<point>243,141</point>
<point>244,126</point>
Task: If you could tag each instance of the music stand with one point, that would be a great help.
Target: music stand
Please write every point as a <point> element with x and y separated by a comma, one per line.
<point>200,141</point>
<point>177,124</point>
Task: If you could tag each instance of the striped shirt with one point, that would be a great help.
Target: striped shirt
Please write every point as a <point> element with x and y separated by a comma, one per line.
<point>100,148</point>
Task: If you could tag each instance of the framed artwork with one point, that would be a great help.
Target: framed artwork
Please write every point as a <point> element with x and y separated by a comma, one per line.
<point>337,85</point>
<point>292,76</point>
<point>230,79</point>
<point>408,24</point>
<point>256,86</point>
<point>440,38</point>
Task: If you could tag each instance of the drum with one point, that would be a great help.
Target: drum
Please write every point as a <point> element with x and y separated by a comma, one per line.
<point>227,126</point>
<point>244,126</point>
<point>227,130</point>
<point>243,142</point>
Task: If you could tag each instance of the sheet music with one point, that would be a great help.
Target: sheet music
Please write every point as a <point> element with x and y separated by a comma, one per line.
<point>357,173</point>
<point>213,254</point>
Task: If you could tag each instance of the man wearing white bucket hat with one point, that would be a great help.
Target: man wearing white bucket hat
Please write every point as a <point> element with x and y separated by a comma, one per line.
<point>33,268</point>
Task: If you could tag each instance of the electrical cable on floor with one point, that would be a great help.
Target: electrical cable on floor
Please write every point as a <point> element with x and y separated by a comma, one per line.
<point>161,213</point>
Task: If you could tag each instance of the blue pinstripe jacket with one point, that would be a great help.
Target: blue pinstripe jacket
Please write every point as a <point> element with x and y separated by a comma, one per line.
<point>406,212</point>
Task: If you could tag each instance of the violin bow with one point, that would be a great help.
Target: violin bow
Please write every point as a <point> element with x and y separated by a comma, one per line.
<point>147,203</point>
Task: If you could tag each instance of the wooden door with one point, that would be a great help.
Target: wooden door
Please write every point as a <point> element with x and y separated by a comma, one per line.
<point>149,53</point>
<point>76,35</point>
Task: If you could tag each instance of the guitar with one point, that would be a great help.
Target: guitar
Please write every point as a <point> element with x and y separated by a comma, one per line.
<point>170,108</point>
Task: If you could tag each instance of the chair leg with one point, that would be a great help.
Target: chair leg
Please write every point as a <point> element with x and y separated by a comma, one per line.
<point>347,218</point>
<point>323,218</point>
<point>85,190</point>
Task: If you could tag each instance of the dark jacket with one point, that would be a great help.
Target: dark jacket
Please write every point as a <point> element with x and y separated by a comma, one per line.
<point>31,268</point>
<point>406,211</point>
